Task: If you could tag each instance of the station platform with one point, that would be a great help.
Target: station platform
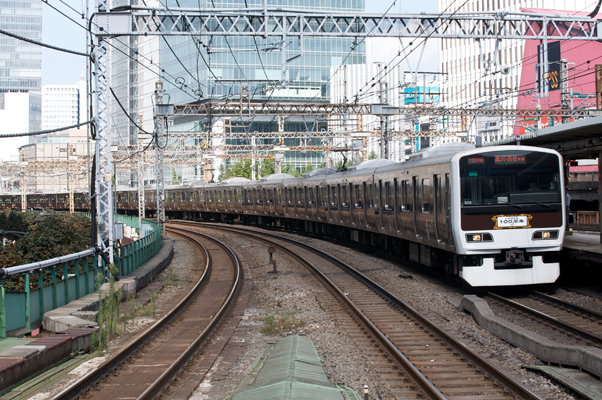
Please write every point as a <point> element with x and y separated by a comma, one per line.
<point>583,246</point>
<point>22,359</point>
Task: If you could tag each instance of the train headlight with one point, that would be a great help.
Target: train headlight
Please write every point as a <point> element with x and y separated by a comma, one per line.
<point>479,237</point>
<point>545,235</point>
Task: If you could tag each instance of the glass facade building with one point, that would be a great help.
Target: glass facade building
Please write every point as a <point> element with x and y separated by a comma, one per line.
<point>20,62</point>
<point>228,68</point>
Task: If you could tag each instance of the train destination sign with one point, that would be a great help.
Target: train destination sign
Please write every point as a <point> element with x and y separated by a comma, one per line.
<point>512,221</point>
<point>510,159</point>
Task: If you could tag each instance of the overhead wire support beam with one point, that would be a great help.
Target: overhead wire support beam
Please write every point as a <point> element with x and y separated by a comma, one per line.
<point>277,23</point>
<point>324,109</point>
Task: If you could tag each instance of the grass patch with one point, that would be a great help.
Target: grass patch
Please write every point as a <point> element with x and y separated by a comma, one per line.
<point>287,321</point>
<point>171,279</point>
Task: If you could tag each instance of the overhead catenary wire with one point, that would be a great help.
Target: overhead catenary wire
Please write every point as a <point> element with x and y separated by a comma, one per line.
<point>49,46</point>
<point>45,132</point>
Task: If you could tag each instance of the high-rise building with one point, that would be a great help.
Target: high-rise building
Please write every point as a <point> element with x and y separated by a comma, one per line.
<point>60,106</point>
<point>20,72</point>
<point>478,76</point>
<point>236,67</point>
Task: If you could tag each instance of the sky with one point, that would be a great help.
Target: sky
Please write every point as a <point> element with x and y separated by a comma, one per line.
<point>62,68</point>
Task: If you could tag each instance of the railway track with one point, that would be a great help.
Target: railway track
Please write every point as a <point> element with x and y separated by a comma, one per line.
<point>430,363</point>
<point>556,319</point>
<point>145,367</point>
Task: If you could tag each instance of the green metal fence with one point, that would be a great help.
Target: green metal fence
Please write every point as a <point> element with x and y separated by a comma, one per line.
<point>21,312</point>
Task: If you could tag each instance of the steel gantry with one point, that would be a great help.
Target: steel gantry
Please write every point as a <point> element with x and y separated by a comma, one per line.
<point>277,23</point>
<point>223,109</point>
<point>264,22</point>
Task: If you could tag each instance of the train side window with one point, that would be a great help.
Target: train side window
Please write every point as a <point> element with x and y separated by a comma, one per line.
<point>405,196</point>
<point>182,196</point>
<point>438,196</point>
<point>193,197</point>
<point>311,196</point>
<point>258,196</point>
<point>334,198</point>
<point>211,197</point>
<point>323,196</point>
<point>230,196</point>
<point>389,201</point>
<point>300,196</point>
<point>279,196</point>
<point>371,195</point>
<point>427,196</point>
<point>358,196</point>
<point>344,196</point>
<point>269,196</point>
<point>173,197</point>
<point>290,196</point>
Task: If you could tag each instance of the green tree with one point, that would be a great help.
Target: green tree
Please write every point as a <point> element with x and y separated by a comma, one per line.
<point>58,235</point>
<point>372,155</point>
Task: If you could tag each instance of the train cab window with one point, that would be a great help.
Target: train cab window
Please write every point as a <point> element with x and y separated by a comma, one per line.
<point>311,196</point>
<point>405,194</point>
<point>427,196</point>
<point>300,196</point>
<point>344,196</point>
<point>389,201</point>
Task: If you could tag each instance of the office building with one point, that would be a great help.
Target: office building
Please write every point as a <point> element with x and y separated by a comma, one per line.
<point>20,73</point>
<point>478,76</point>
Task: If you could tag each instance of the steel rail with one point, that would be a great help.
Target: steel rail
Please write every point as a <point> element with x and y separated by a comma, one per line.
<point>83,384</point>
<point>154,390</point>
<point>422,381</point>
<point>491,371</point>
<point>547,319</point>
<point>593,315</point>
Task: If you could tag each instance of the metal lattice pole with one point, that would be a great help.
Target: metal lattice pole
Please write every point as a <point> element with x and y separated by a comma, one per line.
<point>71,179</point>
<point>23,191</point>
<point>104,192</point>
<point>160,147</point>
<point>141,199</point>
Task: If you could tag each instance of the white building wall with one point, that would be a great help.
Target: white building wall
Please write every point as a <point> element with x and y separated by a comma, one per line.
<point>60,106</point>
<point>15,110</point>
<point>360,83</point>
<point>472,83</point>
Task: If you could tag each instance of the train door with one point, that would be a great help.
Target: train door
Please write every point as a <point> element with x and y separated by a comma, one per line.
<point>378,203</point>
<point>321,202</point>
<point>396,204</point>
<point>339,200</point>
<point>448,222</point>
<point>438,214</point>
<point>370,216</point>
<point>415,204</point>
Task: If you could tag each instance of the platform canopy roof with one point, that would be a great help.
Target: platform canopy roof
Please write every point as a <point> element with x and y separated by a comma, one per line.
<point>574,140</point>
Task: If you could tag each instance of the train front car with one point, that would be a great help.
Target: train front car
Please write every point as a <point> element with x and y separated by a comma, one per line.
<point>511,220</point>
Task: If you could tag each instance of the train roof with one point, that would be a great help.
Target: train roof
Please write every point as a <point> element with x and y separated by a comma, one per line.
<point>235,180</point>
<point>276,177</point>
<point>319,171</point>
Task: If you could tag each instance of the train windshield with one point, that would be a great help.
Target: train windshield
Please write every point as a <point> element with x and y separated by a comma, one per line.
<point>510,177</point>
